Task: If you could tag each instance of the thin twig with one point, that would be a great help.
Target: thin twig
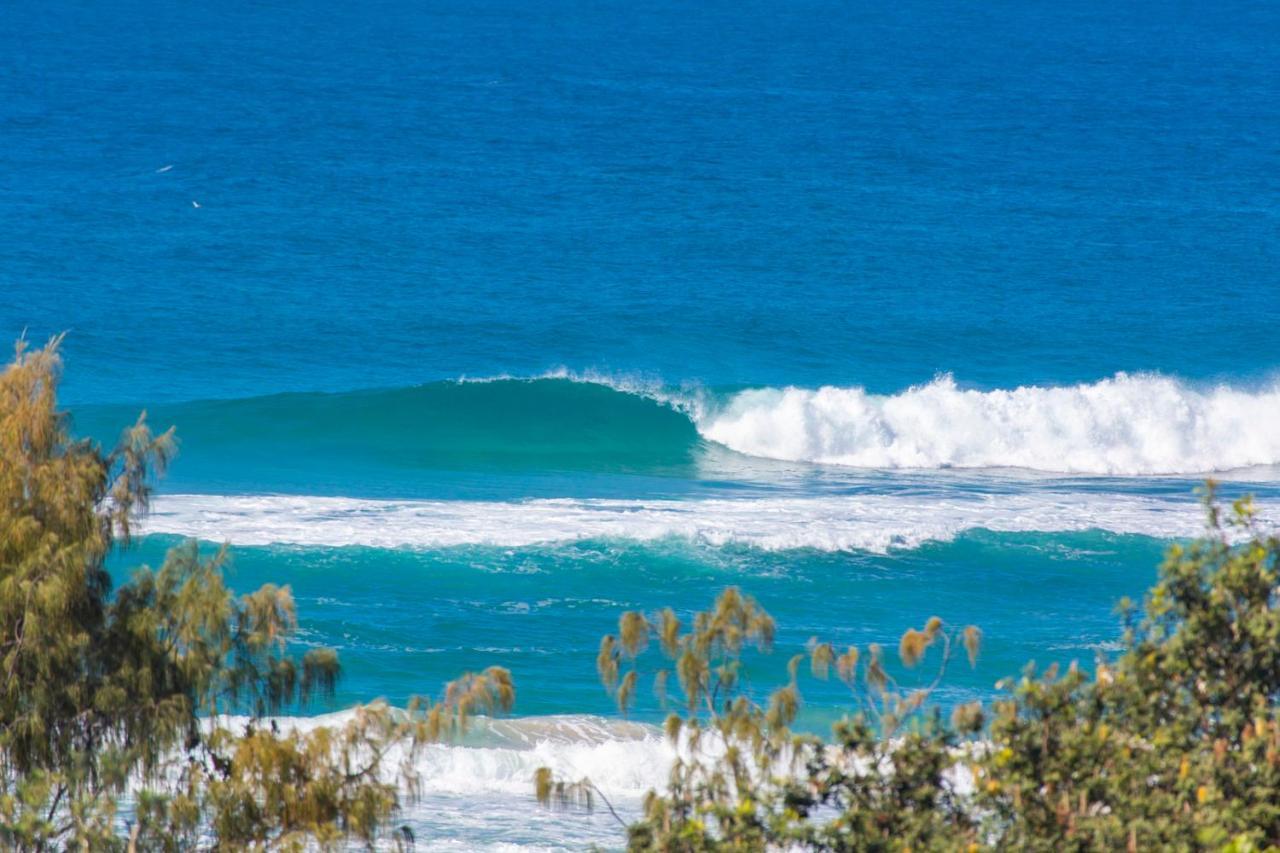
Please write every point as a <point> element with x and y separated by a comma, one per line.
<point>607,804</point>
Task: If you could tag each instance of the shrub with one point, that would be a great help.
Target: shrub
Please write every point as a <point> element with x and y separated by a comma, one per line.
<point>106,697</point>
<point>1174,743</point>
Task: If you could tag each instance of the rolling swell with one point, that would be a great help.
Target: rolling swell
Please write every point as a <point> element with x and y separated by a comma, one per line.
<point>1127,425</point>
<point>327,442</point>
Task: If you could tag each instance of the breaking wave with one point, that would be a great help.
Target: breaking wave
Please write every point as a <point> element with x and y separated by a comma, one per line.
<point>478,793</point>
<point>1127,425</point>
<point>499,756</point>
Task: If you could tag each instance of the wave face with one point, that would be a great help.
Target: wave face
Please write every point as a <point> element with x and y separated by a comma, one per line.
<point>382,441</point>
<point>1127,425</point>
<point>841,523</point>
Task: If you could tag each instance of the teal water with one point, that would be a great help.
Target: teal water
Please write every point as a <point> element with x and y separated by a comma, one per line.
<point>405,621</point>
<point>432,530</point>
<point>421,441</point>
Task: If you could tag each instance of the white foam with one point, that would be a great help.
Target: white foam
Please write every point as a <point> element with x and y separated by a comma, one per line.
<point>690,399</point>
<point>478,794</point>
<point>1128,425</point>
<point>500,756</point>
<point>832,523</point>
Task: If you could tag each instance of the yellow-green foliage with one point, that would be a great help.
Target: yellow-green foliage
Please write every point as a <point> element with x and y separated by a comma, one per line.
<point>103,694</point>
<point>1173,744</point>
<point>744,780</point>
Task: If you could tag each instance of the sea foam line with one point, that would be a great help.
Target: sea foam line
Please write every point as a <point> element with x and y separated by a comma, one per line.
<point>875,523</point>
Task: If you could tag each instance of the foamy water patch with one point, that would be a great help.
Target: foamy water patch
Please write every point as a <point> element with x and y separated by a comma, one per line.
<point>499,756</point>
<point>480,797</point>
<point>1129,425</point>
<point>875,523</point>
<point>478,794</point>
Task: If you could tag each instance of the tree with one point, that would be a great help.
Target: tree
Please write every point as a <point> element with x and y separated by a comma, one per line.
<point>112,696</point>
<point>1174,743</point>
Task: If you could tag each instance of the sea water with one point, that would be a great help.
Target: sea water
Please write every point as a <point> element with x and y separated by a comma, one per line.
<point>482,324</point>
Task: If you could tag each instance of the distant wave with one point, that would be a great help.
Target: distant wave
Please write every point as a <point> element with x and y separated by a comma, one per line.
<point>840,523</point>
<point>1128,425</point>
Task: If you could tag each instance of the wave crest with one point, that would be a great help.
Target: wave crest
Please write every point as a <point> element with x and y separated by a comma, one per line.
<point>1128,425</point>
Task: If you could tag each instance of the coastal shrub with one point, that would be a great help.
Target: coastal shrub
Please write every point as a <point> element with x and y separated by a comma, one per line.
<point>113,726</point>
<point>1174,743</point>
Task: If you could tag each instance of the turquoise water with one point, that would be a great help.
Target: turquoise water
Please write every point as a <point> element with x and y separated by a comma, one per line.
<point>441,528</point>
<point>481,324</point>
<point>405,620</point>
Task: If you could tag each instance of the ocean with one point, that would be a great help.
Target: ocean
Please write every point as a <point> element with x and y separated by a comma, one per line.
<point>481,323</point>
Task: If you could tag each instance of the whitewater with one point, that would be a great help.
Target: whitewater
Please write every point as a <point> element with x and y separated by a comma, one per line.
<point>475,794</point>
<point>1127,425</point>
<point>874,523</point>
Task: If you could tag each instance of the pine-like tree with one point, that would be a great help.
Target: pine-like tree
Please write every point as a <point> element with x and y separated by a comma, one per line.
<point>110,702</point>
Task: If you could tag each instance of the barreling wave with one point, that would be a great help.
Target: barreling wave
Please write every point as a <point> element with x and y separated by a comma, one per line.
<point>1128,425</point>
<point>874,523</point>
<point>501,423</point>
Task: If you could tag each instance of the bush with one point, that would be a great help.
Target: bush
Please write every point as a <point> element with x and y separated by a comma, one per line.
<point>106,696</point>
<point>1173,744</point>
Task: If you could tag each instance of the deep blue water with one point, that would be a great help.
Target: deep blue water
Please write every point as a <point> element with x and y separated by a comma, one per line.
<point>878,311</point>
<point>393,193</point>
